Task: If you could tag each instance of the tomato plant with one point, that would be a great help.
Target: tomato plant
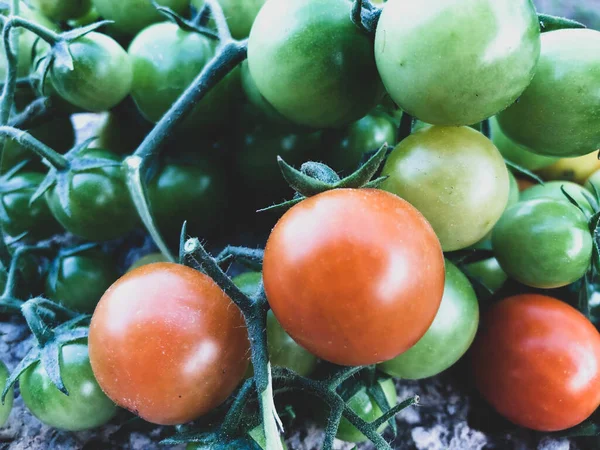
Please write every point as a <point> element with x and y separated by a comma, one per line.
<point>58,10</point>
<point>455,177</point>
<point>558,113</point>
<point>5,408</point>
<point>543,243</point>
<point>449,336</point>
<point>537,362</point>
<point>286,48</point>
<point>196,348</point>
<point>84,408</point>
<point>327,274</point>
<point>489,69</point>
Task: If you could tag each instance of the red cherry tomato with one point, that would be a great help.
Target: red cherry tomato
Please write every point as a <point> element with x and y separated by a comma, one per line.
<point>355,276</point>
<point>537,362</point>
<point>166,343</point>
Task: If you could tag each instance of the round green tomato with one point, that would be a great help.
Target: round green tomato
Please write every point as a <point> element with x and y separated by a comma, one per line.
<point>516,153</point>
<point>363,404</point>
<point>457,62</point>
<point>543,243</point>
<point>57,133</point>
<point>84,408</point>
<point>553,189</point>
<point>131,16</point>
<point>193,192</point>
<point>101,75</point>
<point>449,336</point>
<point>365,135</point>
<point>488,272</point>
<point>240,14</point>
<point>593,182</point>
<point>78,281</point>
<point>148,259</point>
<point>99,202</point>
<point>17,216</point>
<point>283,350</point>
<point>87,19</point>
<point>558,114</point>
<point>165,61</point>
<point>312,63</point>
<point>455,177</point>
<point>5,408</point>
<point>60,10</point>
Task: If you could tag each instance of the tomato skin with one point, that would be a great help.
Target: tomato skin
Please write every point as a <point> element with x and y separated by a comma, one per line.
<point>101,207</point>
<point>174,322</point>
<point>286,48</point>
<point>101,77</point>
<point>537,362</point>
<point>85,407</point>
<point>5,408</point>
<point>367,409</point>
<point>455,177</point>
<point>577,169</point>
<point>81,280</point>
<point>18,216</point>
<point>558,113</point>
<point>516,153</point>
<point>60,10</point>
<point>132,16</point>
<point>552,189</point>
<point>449,336</point>
<point>543,243</point>
<point>328,280</point>
<point>165,61</point>
<point>487,43</point>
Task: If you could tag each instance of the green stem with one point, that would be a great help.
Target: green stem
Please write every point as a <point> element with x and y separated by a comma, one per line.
<point>395,410</point>
<point>342,375</point>
<point>46,34</point>
<point>41,331</point>
<point>11,49</point>
<point>234,415</point>
<point>34,114</point>
<point>58,161</point>
<point>220,21</point>
<point>137,189</point>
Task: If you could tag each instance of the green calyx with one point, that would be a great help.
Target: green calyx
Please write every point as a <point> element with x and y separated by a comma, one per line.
<point>191,26</point>
<point>553,23</point>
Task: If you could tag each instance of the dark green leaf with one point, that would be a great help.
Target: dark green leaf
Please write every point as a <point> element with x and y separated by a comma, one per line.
<point>320,172</point>
<point>183,24</point>
<point>300,182</point>
<point>44,185</point>
<point>552,23</point>
<point>523,172</point>
<point>572,200</point>
<point>282,207</point>
<point>364,173</point>
<point>32,357</point>
<point>50,361</point>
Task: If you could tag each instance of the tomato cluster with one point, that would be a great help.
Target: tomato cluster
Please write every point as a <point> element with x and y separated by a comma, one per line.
<point>439,161</point>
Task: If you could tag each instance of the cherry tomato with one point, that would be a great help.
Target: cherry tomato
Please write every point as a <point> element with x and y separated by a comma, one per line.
<point>355,276</point>
<point>292,43</point>
<point>558,114</point>
<point>537,362</point>
<point>78,281</point>
<point>148,259</point>
<point>449,336</point>
<point>363,404</point>
<point>101,76</point>
<point>131,16</point>
<point>60,10</point>
<point>490,50</point>
<point>174,322</point>
<point>488,272</point>
<point>166,59</point>
<point>543,243</point>
<point>516,153</point>
<point>85,407</point>
<point>553,189</point>
<point>5,408</point>
<point>100,205</point>
<point>454,176</point>
<point>577,169</point>
<point>17,216</point>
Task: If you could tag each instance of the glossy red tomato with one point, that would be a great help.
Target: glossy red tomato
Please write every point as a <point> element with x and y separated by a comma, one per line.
<point>537,361</point>
<point>355,276</point>
<point>166,343</point>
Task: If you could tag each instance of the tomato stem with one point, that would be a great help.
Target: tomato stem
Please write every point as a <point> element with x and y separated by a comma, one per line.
<point>232,420</point>
<point>36,320</point>
<point>58,161</point>
<point>46,34</point>
<point>220,20</point>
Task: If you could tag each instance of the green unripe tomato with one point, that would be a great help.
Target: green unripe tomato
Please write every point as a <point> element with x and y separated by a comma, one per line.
<point>455,177</point>
<point>5,408</point>
<point>101,76</point>
<point>488,272</point>
<point>78,281</point>
<point>165,61</point>
<point>61,10</point>
<point>148,259</point>
<point>449,336</point>
<point>258,101</point>
<point>363,404</point>
<point>451,62</point>
<point>516,153</point>
<point>132,16</point>
<point>543,243</point>
<point>593,181</point>
<point>312,63</point>
<point>558,114</point>
<point>240,14</point>
<point>100,205</point>
<point>552,189</point>
<point>85,407</point>
<point>17,216</point>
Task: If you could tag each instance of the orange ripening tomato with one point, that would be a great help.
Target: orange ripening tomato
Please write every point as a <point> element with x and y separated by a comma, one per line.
<point>166,343</point>
<point>355,276</point>
<point>537,362</point>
